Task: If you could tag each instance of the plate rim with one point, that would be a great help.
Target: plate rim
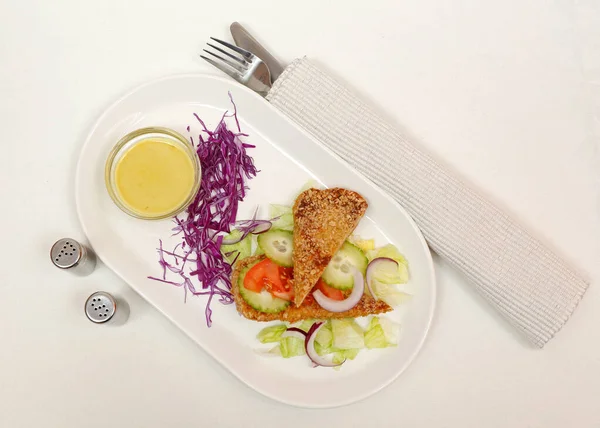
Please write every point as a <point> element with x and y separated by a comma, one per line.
<point>430,265</point>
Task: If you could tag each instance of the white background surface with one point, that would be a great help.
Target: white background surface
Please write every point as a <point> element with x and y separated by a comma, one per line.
<point>507,92</point>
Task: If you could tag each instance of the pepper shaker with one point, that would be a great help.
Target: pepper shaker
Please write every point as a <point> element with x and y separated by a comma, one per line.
<point>103,308</point>
<point>70,255</point>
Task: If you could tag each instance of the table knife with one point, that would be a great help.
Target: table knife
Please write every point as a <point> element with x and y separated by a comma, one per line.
<point>244,40</point>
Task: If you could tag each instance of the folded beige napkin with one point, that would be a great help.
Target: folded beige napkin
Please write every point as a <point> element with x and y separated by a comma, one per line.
<point>532,287</point>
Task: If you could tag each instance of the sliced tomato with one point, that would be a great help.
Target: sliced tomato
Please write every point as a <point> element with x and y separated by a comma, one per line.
<point>272,277</point>
<point>332,293</point>
<point>284,290</point>
<point>282,287</point>
<point>253,280</point>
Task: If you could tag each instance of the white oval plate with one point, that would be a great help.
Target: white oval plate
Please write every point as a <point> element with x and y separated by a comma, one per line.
<point>287,157</point>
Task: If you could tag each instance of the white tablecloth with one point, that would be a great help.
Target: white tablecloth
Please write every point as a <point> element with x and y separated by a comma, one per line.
<point>506,92</point>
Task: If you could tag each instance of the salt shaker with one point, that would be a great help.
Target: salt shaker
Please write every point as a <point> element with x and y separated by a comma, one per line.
<point>68,254</point>
<point>103,308</point>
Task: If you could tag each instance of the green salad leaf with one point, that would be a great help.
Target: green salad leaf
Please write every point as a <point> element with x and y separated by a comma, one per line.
<point>271,334</point>
<point>391,330</point>
<point>387,276</point>
<point>347,334</point>
<point>374,336</point>
<point>389,293</point>
<point>381,333</point>
<point>305,325</point>
<point>244,247</point>
<point>284,219</point>
<point>340,338</point>
<point>258,251</point>
<point>310,184</point>
<point>364,244</point>
<point>324,336</point>
<point>344,354</point>
<point>291,347</point>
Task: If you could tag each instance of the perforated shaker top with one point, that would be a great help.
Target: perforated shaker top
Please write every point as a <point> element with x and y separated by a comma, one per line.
<point>66,253</point>
<point>100,307</point>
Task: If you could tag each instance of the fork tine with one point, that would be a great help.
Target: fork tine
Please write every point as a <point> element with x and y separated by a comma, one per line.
<point>242,52</point>
<point>241,61</point>
<point>222,67</point>
<point>226,61</point>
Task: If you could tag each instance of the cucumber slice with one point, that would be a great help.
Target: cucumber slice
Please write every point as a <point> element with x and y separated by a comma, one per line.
<point>338,273</point>
<point>277,245</point>
<point>263,301</point>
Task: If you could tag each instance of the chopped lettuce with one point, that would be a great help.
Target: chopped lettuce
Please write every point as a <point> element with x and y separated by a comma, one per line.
<point>389,251</point>
<point>386,276</point>
<point>271,334</point>
<point>364,244</point>
<point>387,272</point>
<point>374,336</point>
<point>391,330</point>
<point>310,184</point>
<point>389,293</point>
<point>276,210</point>
<point>283,216</point>
<point>340,338</point>
<point>273,352</point>
<point>306,325</point>
<point>381,333</point>
<point>341,355</point>
<point>322,350</point>
<point>287,346</point>
<point>347,334</point>
<point>258,251</point>
<point>291,347</point>
<point>324,337</point>
<point>346,353</point>
<point>324,340</point>
<point>243,248</point>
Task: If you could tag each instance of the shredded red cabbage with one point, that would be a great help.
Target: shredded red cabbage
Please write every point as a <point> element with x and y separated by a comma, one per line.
<point>225,169</point>
<point>247,227</point>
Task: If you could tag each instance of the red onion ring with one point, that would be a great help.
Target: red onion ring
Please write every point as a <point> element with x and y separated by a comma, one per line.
<point>372,266</point>
<point>309,347</point>
<point>232,241</point>
<point>262,227</point>
<point>247,227</point>
<point>346,304</point>
<point>295,332</point>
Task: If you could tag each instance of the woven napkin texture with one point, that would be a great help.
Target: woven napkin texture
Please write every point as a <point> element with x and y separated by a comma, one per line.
<point>533,288</point>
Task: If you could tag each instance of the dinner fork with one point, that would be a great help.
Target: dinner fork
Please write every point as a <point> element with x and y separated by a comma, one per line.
<point>243,66</point>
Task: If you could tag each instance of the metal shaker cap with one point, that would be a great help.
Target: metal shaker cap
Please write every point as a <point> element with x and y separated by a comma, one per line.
<point>66,253</point>
<point>100,307</point>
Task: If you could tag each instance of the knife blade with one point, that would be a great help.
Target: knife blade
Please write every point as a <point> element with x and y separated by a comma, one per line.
<point>244,40</point>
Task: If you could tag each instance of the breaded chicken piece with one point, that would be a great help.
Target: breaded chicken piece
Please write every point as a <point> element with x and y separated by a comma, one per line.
<point>309,309</point>
<point>323,220</point>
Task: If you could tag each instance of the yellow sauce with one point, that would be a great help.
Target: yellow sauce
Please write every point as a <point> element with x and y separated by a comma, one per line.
<point>154,177</point>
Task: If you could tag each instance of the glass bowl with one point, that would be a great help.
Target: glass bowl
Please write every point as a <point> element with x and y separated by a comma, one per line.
<point>128,142</point>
